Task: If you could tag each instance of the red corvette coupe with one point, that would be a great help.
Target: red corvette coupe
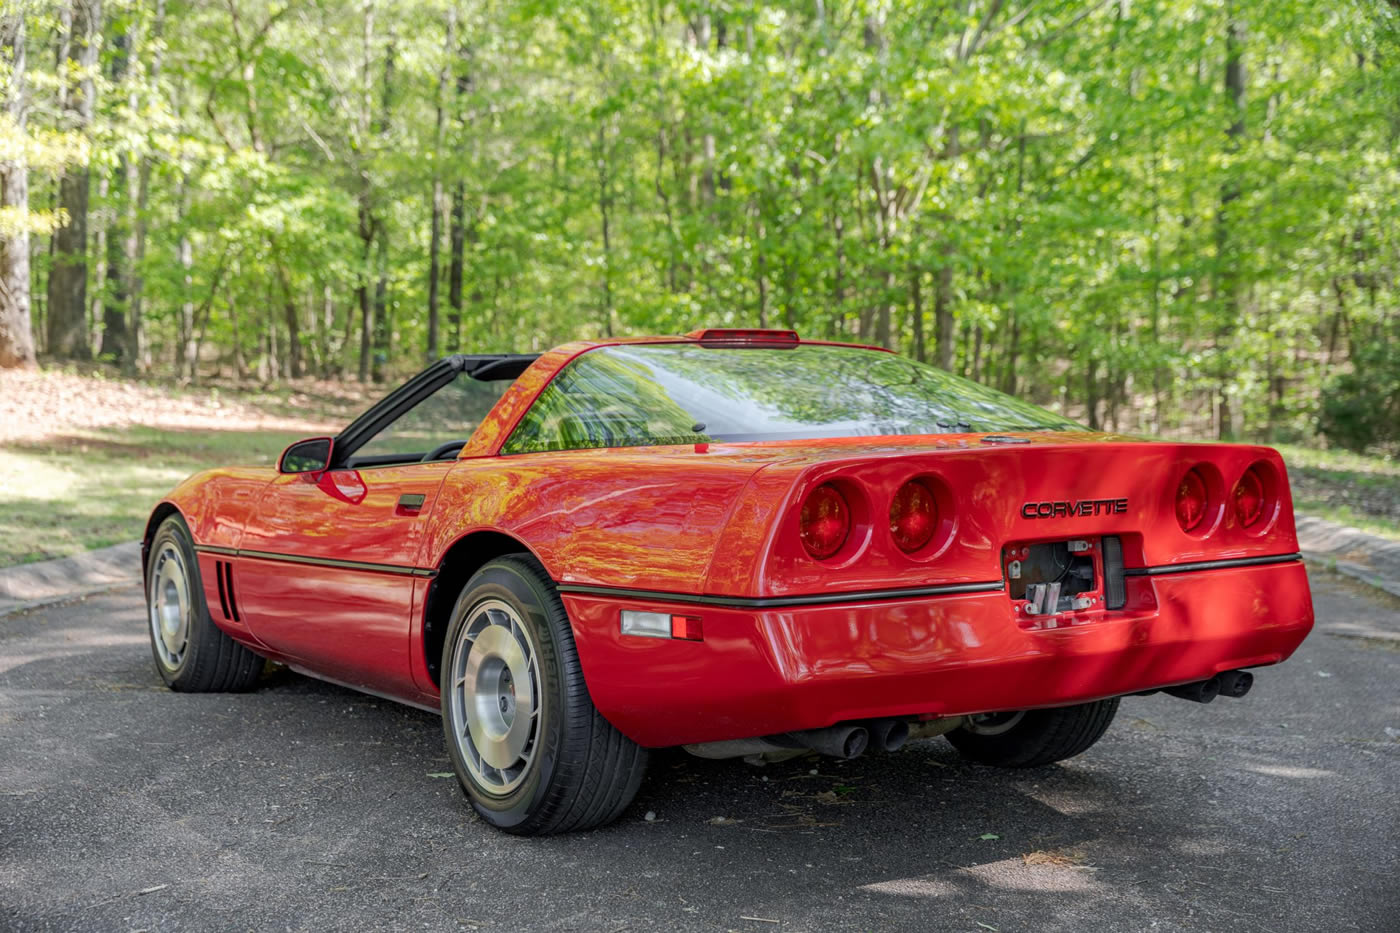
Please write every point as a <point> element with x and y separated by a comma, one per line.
<point>736,541</point>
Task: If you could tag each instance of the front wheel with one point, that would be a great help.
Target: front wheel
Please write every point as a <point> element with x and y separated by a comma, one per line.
<point>529,748</point>
<point>192,654</point>
<point>1031,738</point>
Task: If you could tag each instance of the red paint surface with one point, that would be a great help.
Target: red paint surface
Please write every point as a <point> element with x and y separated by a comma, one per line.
<point>758,673</point>
<point>722,519</point>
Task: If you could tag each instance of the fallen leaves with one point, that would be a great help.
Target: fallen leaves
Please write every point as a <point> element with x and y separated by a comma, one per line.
<point>39,404</point>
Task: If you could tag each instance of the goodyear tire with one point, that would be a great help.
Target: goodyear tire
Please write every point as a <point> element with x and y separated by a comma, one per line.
<point>192,654</point>
<point>530,750</point>
<point>1031,738</point>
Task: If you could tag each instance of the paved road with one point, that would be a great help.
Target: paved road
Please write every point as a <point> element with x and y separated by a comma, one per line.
<point>307,807</point>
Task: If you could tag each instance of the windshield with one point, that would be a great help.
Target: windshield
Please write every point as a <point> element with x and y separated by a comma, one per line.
<point>650,394</point>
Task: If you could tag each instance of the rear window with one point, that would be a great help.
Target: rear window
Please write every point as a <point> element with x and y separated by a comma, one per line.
<point>652,394</point>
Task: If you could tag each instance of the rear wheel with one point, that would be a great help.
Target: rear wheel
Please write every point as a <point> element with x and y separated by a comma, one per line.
<point>1031,738</point>
<point>192,654</point>
<point>531,751</point>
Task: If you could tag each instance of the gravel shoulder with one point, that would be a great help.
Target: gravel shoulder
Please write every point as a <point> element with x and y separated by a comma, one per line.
<point>304,806</point>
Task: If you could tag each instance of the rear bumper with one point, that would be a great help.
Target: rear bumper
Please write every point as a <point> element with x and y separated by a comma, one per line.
<point>770,670</point>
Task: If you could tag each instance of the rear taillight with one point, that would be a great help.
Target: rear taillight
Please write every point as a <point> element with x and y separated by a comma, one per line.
<point>913,516</point>
<point>825,522</point>
<point>1192,500</point>
<point>1249,498</point>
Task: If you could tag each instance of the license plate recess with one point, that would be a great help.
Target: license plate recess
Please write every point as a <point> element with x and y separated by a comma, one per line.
<point>1059,583</point>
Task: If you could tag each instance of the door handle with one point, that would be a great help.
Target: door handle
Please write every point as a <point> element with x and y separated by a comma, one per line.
<point>411,503</point>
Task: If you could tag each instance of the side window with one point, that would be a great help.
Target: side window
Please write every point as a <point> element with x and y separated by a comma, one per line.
<point>451,414</point>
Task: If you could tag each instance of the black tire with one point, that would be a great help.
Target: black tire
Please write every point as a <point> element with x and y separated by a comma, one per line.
<point>1039,737</point>
<point>580,771</point>
<point>210,661</point>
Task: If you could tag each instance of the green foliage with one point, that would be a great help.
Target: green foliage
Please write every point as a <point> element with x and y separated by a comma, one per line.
<point>1047,197</point>
<point>1361,408</point>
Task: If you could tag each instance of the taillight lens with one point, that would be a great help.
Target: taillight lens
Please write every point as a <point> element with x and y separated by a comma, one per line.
<point>825,521</point>
<point>913,516</point>
<point>1249,498</point>
<point>1192,500</point>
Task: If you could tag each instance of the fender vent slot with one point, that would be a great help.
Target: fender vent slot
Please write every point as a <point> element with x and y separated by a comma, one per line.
<point>223,594</point>
<point>232,601</point>
<point>1115,593</point>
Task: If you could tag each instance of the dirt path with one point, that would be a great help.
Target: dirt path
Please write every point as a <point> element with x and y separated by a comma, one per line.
<point>39,405</point>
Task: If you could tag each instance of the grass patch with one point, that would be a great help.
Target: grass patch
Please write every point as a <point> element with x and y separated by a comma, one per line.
<point>1339,486</point>
<point>82,490</point>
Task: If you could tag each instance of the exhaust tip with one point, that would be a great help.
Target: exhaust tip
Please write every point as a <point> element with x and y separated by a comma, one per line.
<point>844,741</point>
<point>1201,691</point>
<point>1235,684</point>
<point>888,735</point>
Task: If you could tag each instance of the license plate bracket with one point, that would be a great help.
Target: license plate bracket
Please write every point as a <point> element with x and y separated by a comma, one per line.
<point>1049,578</point>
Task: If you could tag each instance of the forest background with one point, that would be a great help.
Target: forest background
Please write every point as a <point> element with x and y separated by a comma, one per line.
<point>1172,217</point>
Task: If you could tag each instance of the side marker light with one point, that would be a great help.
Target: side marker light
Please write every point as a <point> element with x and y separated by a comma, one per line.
<point>661,625</point>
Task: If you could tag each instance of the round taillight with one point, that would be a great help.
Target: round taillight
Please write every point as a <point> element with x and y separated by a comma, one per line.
<point>1192,500</point>
<point>1249,498</point>
<point>913,516</point>
<point>825,521</point>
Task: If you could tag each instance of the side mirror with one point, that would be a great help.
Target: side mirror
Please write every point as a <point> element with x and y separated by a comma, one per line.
<point>312,455</point>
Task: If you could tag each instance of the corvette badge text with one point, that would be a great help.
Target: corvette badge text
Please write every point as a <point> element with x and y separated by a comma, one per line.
<point>1082,508</point>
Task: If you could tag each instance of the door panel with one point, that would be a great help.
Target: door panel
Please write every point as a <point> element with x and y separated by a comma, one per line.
<point>326,570</point>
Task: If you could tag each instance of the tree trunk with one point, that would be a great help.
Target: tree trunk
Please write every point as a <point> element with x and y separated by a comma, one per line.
<point>383,333</point>
<point>1227,276</point>
<point>435,238</point>
<point>67,311</point>
<point>916,298</point>
<point>1091,394</point>
<point>291,316</point>
<point>113,272</point>
<point>383,328</point>
<point>109,244</point>
<point>943,314</point>
<point>137,355</point>
<point>362,286</point>
<point>240,366</point>
<point>605,213</point>
<point>760,265</point>
<point>458,240</point>
<point>16,332</point>
<point>187,354</point>
<point>838,273</point>
<point>943,284</point>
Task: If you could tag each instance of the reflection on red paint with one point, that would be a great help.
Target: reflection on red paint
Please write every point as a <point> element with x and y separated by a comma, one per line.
<point>345,485</point>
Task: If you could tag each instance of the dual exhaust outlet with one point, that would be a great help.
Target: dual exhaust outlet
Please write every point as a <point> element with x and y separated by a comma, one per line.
<point>1225,684</point>
<point>844,740</point>
<point>853,740</point>
<point>879,736</point>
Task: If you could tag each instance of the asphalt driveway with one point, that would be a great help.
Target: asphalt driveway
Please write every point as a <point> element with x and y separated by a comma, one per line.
<point>304,806</point>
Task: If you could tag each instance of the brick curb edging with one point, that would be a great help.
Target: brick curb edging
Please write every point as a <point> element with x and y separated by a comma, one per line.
<point>1358,554</point>
<point>26,586</point>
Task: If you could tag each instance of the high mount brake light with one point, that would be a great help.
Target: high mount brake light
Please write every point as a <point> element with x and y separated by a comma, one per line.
<point>1249,497</point>
<point>1192,500</point>
<point>913,516</point>
<point>735,337</point>
<point>825,521</point>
